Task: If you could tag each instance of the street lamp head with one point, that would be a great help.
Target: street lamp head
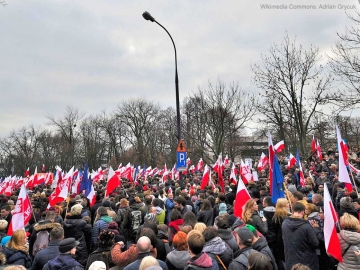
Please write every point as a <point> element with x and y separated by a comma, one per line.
<point>147,16</point>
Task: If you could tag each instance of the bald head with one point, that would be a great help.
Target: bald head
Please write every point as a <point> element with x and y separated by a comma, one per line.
<point>143,244</point>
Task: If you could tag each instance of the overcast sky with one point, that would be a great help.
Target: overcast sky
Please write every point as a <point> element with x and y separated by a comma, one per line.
<point>94,54</point>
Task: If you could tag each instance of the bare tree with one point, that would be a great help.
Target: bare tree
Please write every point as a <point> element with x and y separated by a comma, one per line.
<point>295,86</point>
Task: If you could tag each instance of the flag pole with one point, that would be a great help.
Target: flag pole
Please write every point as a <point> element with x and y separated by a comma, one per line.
<point>356,189</point>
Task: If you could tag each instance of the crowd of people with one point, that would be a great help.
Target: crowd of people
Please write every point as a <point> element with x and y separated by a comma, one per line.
<point>175,225</point>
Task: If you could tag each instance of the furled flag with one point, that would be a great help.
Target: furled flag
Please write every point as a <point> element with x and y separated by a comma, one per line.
<point>318,150</point>
<point>43,168</point>
<point>85,182</point>
<point>226,162</point>
<point>263,162</point>
<point>291,162</point>
<point>188,162</point>
<point>297,157</point>
<point>343,172</point>
<point>278,182</point>
<point>165,174</point>
<point>62,190</point>
<point>279,146</point>
<point>245,172</point>
<point>218,169</point>
<point>200,165</point>
<point>22,212</point>
<point>232,178</point>
<point>192,169</point>
<point>313,144</point>
<point>112,182</point>
<point>27,172</point>
<point>271,159</point>
<point>76,186</point>
<point>301,175</point>
<point>242,196</point>
<point>332,243</point>
<point>206,177</point>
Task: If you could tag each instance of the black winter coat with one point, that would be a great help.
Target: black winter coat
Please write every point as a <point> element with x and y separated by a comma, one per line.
<point>63,261</point>
<point>17,257</point>
<point>76,227</point>
<point>257,222</point>
<point>45,255</point>
<point>206,216</point>
<point>300,242</point>
<point>262,246</point>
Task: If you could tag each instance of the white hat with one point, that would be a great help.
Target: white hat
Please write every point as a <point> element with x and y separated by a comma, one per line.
<point>97,265</point>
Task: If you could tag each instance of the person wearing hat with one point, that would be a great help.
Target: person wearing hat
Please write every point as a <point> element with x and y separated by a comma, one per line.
<point>110,212</point>
<point>346,206</point>
<point>76,227</point>
<point>102,221</point>
<point>244,238</point>
<point>65,259</point>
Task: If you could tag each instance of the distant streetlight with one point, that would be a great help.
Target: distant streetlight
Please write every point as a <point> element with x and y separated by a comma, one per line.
<point>147,16</point>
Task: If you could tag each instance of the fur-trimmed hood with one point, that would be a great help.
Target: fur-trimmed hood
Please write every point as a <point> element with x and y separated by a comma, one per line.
<point>46,224</point>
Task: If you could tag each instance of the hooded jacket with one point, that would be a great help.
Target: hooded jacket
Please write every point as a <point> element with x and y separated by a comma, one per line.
<point>241,260</point>
<point>177,260</point>
<point>229,238</point>
<point>217,246</point>
<point>202,261</point>
<point>99,226</point>
<point>76,227</point>
<point>17,257</point>
<point>300,241</point>
<point>349,239</point>
<point>63,261</point>
<point>45,255</point>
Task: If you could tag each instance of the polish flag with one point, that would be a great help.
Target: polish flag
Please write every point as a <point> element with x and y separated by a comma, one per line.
<point>291,162</point>
<point>192,169</point>
<point>232,178</point>
<point>353,169</point>
<point>76,186</point>
<point>27,172</point>
<point>112,182</point>
<point>313,144</point>
<point>173,172</point>
<point>218,168</point>
<point>242,196</point>
<point>48,179</point>
<point>226,162</point>
<point>188,162</point>
<point>43,168</point>
<point>332,242</point>
<point>245,172</point>
<point>263,162</point>
<point>22,212</point>
<point>92,196</point>
<point>301,175</point>
<point>206,177</point>
<point>165,174</point>
<point>343,172</point>
<point>319,152</point>
<point>200,165</point>
<point>62,190</point>
<point>279,146</point>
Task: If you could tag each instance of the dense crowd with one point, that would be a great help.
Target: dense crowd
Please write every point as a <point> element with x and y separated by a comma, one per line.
<point>174,225</point>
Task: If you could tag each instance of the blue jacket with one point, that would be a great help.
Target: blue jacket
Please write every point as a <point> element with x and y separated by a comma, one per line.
<point>63,261</point>
<point>17,257</point>
<point>169,205</point>
<point>45,255</point>
<point>99,226</point>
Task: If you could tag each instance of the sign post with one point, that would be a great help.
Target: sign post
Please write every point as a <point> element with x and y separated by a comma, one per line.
<point>181,158</point>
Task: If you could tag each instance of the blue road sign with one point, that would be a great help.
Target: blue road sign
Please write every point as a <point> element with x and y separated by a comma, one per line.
<point>181,161</point>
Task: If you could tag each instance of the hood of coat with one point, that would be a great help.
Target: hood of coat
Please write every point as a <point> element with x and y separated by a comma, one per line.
<point>295,223</point>
<point>202,260</point>
<point>178,258</point>
<point>44,225</point>
<point>215,246</point>
<point>260,244</point>
<point>350,237</point>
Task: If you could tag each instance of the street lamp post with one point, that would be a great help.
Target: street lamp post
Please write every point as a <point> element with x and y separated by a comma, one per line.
<point>148,17</point>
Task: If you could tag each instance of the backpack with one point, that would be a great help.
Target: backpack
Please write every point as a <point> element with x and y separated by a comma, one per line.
<point>243,258</point>
<point>41,242</point>
<point>135,220</point>
<point>121,215</point>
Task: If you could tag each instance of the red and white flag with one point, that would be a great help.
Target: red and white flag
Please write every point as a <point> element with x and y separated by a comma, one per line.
<point>22,212</point>
<point>301,175</point>
<point>226,162</point>
<point>343,172</point>
<point>313,144</point>
<point>62,189</point>
<point>200,165</point>
<point>353,169</point>
<point>279,146</point>
<point>113,182</point>
<point>291,162</point>
<point>263,162</point>
<point>242,196</point>
<point>332,242</point>
<point>165,174</point>
<point>318,150</point>
<point>206,177</point>
<point>76,186</point>
<point>27,173</point>
<point>232,178</point>
<point>245,172</point>
<point>218,168</point>
<point>43,168</point>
